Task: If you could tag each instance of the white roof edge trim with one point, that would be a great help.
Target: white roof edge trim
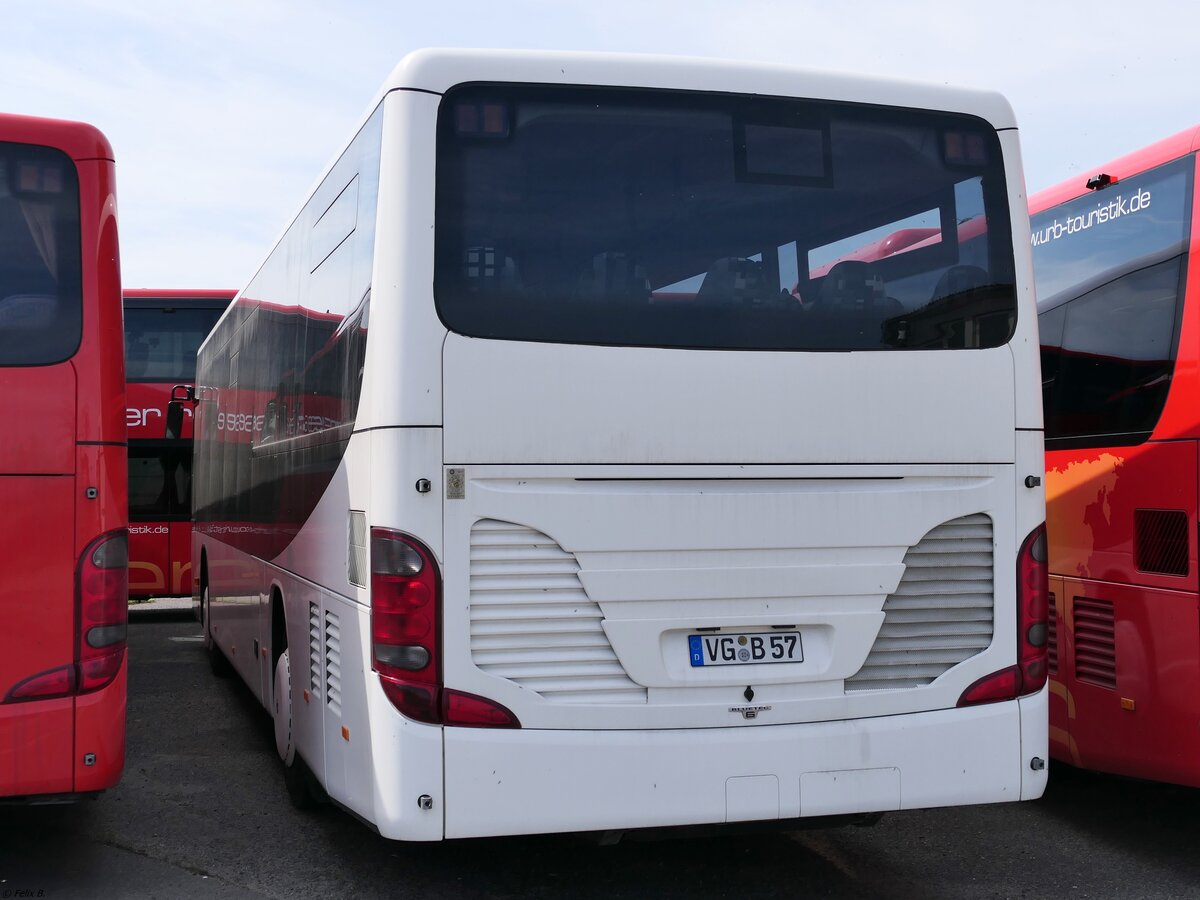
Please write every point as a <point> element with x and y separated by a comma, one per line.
<point>437,70</point>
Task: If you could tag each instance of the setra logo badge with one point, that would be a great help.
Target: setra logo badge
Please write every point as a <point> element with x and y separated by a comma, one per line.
<point>749,712</point>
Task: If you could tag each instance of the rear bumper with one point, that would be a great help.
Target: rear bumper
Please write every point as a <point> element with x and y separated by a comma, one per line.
<point>52,751</point>
<point>500,782</point>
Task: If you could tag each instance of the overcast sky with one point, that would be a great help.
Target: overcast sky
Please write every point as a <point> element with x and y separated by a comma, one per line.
<point>223,112</point>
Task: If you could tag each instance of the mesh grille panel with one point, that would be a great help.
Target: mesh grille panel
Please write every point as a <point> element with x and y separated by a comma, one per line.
<point>1161,541</point>
<point>1095,642</point>
<point>941,612</point>
<point>532,622</point>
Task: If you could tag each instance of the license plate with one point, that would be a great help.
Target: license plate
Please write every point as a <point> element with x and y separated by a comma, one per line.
<point>745,649</point>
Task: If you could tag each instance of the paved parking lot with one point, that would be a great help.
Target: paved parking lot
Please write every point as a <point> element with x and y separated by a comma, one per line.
<point>201,812</point>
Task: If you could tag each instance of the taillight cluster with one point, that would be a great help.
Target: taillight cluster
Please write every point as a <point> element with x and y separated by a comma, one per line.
<point>102,591</point>
<point>101,621</point>
<point>1028,676</point>
<point>406,625</point>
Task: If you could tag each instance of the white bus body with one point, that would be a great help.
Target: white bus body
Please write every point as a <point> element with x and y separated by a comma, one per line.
<point>619,409</point>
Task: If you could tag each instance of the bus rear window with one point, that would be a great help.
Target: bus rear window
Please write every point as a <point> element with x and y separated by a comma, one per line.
<point>646,218</point>
<point>41,300</point>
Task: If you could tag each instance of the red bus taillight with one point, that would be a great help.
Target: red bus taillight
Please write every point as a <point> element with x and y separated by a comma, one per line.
<point>406,624</point>
<point>102,595</point>
<point>1033,593</point>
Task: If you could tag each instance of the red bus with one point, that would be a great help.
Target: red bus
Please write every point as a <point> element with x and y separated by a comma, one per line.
<point>63,581</point>
<point>163,328</point>
<point>1119,311</point>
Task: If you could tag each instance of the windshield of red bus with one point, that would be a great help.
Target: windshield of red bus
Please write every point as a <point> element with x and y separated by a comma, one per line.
<point>161,341</point>
<point>672,219</point>
<point>41,298</point>
<point>1110,269</point>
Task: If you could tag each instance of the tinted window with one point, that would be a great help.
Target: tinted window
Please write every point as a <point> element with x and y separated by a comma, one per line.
<point>161,343</point>
<point>670,219</point>
<point>1110,268</point>
<point>41,306</point>
<point>160,480</point>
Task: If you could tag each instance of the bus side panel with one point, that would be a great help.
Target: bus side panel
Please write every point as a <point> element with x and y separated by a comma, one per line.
<point>37,406</point>
<point>179,558</point>
<point>235,606</point>
<point>148,559</point>
<point>37,606</point>
<point>1062,710</point>
<point>100,735</point>
<point>35,747</point>
<point>1095,499</point>
<point>1132,699</point>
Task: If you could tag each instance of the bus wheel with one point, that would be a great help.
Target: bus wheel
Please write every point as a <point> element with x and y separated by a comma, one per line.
<point>302,787</point>
<point>216,659</point>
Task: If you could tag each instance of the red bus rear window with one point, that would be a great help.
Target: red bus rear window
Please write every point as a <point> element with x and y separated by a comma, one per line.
<point>41,309</point>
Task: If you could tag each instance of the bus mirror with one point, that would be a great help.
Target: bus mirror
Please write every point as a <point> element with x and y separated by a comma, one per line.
<point>180,394</point>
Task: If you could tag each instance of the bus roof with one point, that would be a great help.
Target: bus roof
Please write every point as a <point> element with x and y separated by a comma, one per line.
<point>77,139</point>
<point>177,294</point>
<point>437,70</point>
<point>1155,154</point>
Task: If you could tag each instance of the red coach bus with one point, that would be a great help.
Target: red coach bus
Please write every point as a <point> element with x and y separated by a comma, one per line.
<point>63,581</point>
<point>1119,311</point>
<point>163,328</point>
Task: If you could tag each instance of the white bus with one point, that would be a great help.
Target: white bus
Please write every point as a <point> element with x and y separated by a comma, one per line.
<point>582,459</point>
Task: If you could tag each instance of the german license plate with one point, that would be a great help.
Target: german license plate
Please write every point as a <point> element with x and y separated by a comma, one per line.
<point>745,649</point>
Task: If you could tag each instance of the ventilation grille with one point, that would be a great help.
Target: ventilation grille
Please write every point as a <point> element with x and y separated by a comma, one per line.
<point>314,650</point>
<point>333,663</point>
<point>1161,541</point>
<point>1052,636</point>
<point>940,613</point>
<point>1095,642</point>
<point>357,556</point>
<point>533,624</point>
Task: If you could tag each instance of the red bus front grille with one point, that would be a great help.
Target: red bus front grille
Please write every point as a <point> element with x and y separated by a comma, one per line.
<point>1095,642</point>
<point>1161,541</point>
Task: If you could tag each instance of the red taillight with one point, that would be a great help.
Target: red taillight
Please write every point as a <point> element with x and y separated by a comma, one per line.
<point>406,625</point>
<point>1033,592</point>
<point>58,682</point>
<point>406,606</point>
<point>102,595</point>
<point>101,620</point>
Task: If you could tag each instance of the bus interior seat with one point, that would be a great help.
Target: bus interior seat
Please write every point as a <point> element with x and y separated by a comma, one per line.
<point>853,286</point>
<point>733,280</point>
<point>28,312</point>
<point>487,269</point>
<point>959,280</point>
<point>613,276</point>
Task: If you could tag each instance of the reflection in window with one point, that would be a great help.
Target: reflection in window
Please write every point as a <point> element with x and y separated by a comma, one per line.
<point>1106,379</point>
<point>161,343</point>
<point>645,218</point>
<point>160,480</point>
<point>41,301</point>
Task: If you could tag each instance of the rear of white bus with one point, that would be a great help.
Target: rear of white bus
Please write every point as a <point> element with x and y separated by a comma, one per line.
<point>727,404</point>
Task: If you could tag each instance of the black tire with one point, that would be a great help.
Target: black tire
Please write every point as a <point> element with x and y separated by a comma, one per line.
<point>303,789</point>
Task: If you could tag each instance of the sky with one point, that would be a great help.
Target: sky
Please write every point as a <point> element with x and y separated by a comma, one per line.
<point>222,113</point>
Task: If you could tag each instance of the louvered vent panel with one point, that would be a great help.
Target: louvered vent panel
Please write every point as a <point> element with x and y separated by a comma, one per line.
<point>941,612</point>
<point>1095,642</point>
<point>1160,541</point>
<point>1052,636</point>
<point>333,663</point>
<point>357,554</point>
<point>314,650</point>
<point>532,622</point>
